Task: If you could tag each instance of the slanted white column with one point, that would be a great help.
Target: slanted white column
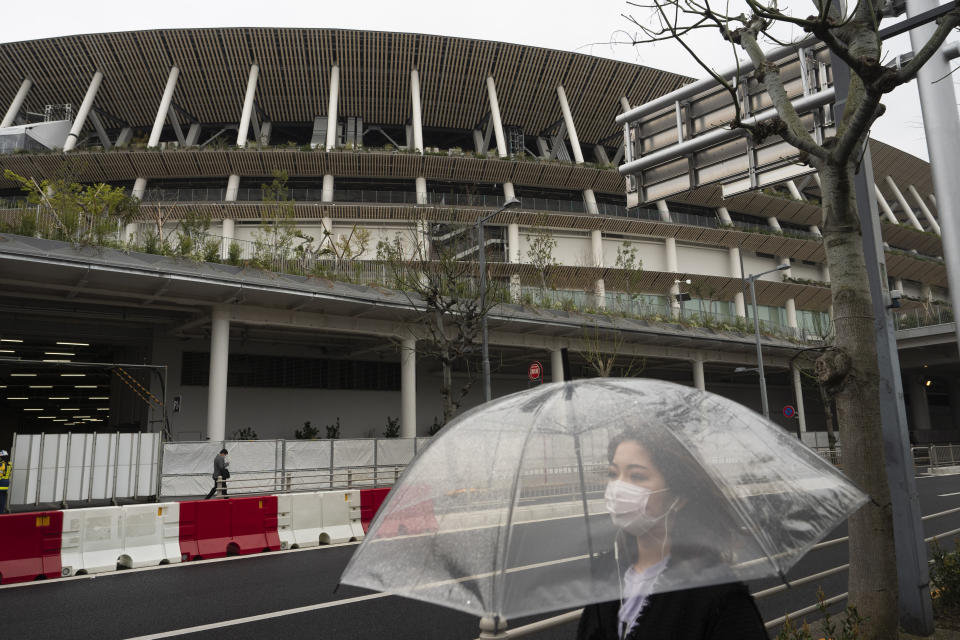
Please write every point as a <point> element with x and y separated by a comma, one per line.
<point>421,186</point>
<point>408,388</point>
<point>739,307</point>
<point>100,129</point>
<point>217,386</point>
<point>244,131</point>
<point>699,381</point>
<point>332,107</point>
<point>556,365</point>
<point>11,116</point>
<point>923,208</point>
<point>513,229</point>
<point>265,130</point>
<point>164,107</point>
<point>798,399</point>
<point>724,216</point>
<point>664,211</point>
<point>71,142</point>
<point>416,115</point>
<point>139,187</point>
<point>596,254</point>
<point>495,116</point>
<point>907,210</point>
<point>590,201</point>
<point>885,209</point>
<point>794,191</point>
<point>571,129</point>
<point>193,134</point>
<point>774,224</point>
<point>815,230</point>
<point>124,138</point>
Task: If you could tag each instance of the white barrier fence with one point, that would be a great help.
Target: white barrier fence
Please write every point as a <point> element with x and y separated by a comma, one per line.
<point>61,467</point>
<point>271,466</point>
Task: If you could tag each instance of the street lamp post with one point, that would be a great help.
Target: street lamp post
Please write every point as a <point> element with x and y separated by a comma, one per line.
<point>756,328</point>
<point>485,347</point>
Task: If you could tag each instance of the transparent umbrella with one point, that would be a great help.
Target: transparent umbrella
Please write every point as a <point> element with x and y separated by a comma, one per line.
<point>505,513</point>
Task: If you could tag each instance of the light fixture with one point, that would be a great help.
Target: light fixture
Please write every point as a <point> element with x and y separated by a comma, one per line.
<point>103,409</point>
<point>72,375</point>
<point>51,360</point>
<point>928,383</point>
<point>17,398</point>
<point>7,351</point>
<point>59,419</point>
<point>78,417</point>
<point>23,375</point>
<point>25,409</point>
<point>58,353</point>
<point>99,398</point>
<point>69,409</point>
<point>58,398</point>
<point>74,344</point>
<point>46,417</point>
<point>41,386</point>
<point>84,386</point>
<point>10,340</point>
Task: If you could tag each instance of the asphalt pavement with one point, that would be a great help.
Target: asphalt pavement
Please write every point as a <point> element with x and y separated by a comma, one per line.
<point>294,595</point>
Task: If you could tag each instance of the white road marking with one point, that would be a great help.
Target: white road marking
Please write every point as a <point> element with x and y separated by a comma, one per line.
<point>947,495</point>
<point>257,618</point>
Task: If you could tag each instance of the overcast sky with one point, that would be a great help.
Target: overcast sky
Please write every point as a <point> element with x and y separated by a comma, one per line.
<point>583,26</point>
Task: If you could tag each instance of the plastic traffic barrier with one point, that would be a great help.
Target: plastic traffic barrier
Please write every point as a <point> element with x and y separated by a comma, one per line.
<point>299,519</point>
<point>340,517</point>
<point>92,540</point>
<point>235,526</point>
<point>411,512</point>
<point>151,535</point>
<point>30,546</point>
<point>370,501</point>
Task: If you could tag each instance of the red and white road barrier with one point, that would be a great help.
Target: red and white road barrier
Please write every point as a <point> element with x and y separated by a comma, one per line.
<point>51,544</point>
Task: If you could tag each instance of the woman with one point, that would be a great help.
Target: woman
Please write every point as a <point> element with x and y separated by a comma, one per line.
<point>671,522</point>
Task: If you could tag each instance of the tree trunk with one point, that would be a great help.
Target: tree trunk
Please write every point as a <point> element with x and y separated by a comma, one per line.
<point>828,416</point>
<point>854,380</point>
<point>446,392</point>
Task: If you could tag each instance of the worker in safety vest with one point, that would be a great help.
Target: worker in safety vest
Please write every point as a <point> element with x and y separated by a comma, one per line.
<point>5,469</point>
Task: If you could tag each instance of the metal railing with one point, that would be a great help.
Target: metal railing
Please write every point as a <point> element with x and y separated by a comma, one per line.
<point>926,316</point>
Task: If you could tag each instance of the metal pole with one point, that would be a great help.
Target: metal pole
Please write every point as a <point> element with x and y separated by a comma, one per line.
<point>13,450</point>
<point>916,614</point>
<point>756,328</point>
<point>36,501</point>
<point>136,477</point>
<point>116,468</point>
<point>485,347</point>
<point>93,466</point>
<point>66,469</point>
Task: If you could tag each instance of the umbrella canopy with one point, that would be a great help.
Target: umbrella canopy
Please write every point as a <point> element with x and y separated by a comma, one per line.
<point>505,513</point>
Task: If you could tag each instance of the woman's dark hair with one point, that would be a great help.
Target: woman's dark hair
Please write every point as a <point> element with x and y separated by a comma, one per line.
<point>222,451</point>
<point>704,520</point>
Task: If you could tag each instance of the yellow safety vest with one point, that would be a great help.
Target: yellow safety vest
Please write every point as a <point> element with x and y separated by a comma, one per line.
<point>5,469</point>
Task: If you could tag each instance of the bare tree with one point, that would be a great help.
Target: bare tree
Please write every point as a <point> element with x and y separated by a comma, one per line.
<point>540,246</point>
<point>602,349</point>
<point>849,368</point>
<point>443,286</point>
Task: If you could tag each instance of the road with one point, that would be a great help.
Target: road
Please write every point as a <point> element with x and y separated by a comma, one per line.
<point>293,595</point>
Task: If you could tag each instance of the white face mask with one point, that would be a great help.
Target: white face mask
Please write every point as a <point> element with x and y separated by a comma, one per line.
<point>627,505</point>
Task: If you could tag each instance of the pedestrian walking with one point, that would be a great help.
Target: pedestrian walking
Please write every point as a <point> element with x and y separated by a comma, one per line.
<point>5,469</point>
<point>665,508</point>
<point>220,474</point>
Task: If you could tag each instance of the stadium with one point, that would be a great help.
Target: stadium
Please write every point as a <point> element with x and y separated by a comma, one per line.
<point>271,170</point>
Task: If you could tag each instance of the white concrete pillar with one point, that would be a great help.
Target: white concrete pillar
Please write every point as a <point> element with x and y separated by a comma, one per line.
<point>421,187</point>
<point>791,303</point>
<point>590,201</point>
<point>699,380</point>
<point>733,254</point>
<point>798,398</point>
<point>265,130</point>
<point>596,255</point>
<point>673,266</point>
<point>919,406</point>
<point>815,230</point>
<point>495,116</point>
<point>10,118</point>
<point>794,191</point>
<point>724,216</point>
<point>513,242</point>
<point>233,188</point>
<point>326,191</point>
<point>926,292</point>
<point>217,385</point>
<point>556,365</point>
<point>83,112</point>
<point>124,138</point>
<point>885,211</point>
<point>139,188</point>
<point>416,117</point>
<point>130,232</point>
<point>164,107</point>
<point>100,129</point>
<point>193,134</point>
<point>934,225</point>
<point>244,129</point>
<point>408,388</point>
<point>571,129</point>
<point>664,211</point>
<point>907,210</point>
<point>332,106</point>
<point>228,233</point>
<point>774,224</point>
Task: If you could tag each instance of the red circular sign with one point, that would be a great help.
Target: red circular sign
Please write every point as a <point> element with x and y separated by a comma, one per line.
<point>535,370</point>
<point>789,412</point>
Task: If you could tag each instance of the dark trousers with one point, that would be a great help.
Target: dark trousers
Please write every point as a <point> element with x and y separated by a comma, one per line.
<point>3,500</point>
<point>222,486</point>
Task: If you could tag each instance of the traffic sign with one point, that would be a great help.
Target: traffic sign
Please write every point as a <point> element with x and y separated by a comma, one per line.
<point>789,412</point>
<point>535,370</point>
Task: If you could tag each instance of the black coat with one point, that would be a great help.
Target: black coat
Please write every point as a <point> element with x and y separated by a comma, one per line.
<point>719,612</point>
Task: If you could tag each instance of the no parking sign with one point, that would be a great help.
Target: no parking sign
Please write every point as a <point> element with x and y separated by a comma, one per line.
<point>789,412</point>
